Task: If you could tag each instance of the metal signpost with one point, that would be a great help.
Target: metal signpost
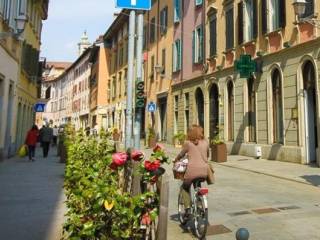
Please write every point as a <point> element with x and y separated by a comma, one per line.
<point>134,5</point>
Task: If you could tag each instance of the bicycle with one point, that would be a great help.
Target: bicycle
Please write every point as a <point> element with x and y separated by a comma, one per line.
<point>199,208</point>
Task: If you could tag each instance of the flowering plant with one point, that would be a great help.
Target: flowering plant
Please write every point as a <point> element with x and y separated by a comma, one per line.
<point>137,155</point>
<point>118,159</point>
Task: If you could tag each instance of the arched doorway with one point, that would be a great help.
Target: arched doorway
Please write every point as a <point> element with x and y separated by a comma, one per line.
<point>214,110</point>
<point>230,110</point>
<point>200,106</point>
<point>310,111</point>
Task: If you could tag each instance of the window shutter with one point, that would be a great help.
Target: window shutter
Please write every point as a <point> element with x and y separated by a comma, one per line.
<point>264,16</point>
<point>282,13</point>
<point>200,54</point>
<point>179,54</point>
<point>229,29</point>
<point>255,19</point>
<point>176,10</point>
<point>240,22</point>
<point>193,46</point>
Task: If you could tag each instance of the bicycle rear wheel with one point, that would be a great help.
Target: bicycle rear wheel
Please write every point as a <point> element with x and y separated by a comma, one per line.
<point>181,209</point>
<point>200,218</point>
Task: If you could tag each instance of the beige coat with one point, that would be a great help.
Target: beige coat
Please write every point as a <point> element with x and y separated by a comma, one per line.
<point>198,159</point>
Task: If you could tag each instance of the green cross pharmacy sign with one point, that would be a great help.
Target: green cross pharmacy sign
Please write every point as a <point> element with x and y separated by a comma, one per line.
<point>245,66</point>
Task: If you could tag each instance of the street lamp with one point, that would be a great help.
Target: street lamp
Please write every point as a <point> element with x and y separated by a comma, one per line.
<point>20,25</point>
<point>299,9</point>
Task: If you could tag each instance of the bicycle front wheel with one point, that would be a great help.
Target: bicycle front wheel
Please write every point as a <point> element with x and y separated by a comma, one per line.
<point>200,218</point>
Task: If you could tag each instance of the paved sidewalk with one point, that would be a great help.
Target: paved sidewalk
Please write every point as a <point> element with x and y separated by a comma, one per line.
<point>284,170</point>
<point>31,198</point>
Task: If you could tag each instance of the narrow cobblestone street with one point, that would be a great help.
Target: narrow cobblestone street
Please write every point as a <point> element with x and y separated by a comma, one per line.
<point>270,207</point>
<point>31,198</point>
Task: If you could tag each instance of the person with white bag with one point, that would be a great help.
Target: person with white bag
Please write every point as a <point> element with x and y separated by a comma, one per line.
<point>196,148</point>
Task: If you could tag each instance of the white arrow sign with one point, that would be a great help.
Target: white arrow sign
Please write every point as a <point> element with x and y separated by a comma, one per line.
<point>133,2</point>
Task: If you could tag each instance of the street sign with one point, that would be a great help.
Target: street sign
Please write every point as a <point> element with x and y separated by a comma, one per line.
<point>152,107</point>
<point>39,107</point>
<point>245,66</point>
<point>134,4</point>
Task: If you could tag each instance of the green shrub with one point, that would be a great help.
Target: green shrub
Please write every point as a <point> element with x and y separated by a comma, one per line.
<point>97,209</point>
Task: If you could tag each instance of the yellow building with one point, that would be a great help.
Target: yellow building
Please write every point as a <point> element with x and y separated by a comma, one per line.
<point>19,68</point>
<point>30,74</point>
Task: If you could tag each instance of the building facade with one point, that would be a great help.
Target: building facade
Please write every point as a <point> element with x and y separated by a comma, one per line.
<point>276,107</point>
<point>116,40</point>
<point>99,85</point>
<point>158,38</point>
<point>19,85</point>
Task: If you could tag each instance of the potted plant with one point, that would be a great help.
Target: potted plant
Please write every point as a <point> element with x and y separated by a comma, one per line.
<point>151,140</point>
<point>178,139</point>
<point>218,148</point>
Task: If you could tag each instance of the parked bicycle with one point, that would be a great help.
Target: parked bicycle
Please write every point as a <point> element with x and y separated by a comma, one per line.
<point>199,208</point>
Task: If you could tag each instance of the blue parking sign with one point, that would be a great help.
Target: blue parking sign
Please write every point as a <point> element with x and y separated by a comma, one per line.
<point>39,107</point>
<point>134,4</point>
<point>152,107</point>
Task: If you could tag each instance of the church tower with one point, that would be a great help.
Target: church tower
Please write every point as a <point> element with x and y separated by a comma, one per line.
<point>84,43</point>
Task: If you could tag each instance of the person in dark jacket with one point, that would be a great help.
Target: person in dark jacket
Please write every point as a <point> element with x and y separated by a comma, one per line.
<point>46,136</point>
<point>31,141</point>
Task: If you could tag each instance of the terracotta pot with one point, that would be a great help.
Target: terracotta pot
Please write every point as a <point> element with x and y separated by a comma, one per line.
<point>219,152</point>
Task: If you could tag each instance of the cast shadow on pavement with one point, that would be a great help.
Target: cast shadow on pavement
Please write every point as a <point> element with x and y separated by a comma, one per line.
<point>313,179</point>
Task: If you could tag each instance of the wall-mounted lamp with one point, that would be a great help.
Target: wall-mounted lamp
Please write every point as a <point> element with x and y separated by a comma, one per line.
<point>294,115</point>
<point>260,53</point>
<point>20,26</point>
<point>299,10</point>
<point>287,44</point>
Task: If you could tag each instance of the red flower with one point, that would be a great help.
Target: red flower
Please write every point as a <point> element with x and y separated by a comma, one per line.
<point>158,148</point>
<point>152,166</point>
<point>137,155</point>
<point>113,166</point>
<point>119,159</point>
<point>146,219</point>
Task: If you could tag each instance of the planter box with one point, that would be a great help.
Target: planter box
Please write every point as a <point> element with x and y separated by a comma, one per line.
<point>219,152</point>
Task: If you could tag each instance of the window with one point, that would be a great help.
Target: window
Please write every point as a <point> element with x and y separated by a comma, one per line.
<point>176,55</point>
<point>197,45</point>
<point>120,83</point>
<point>277,107</point>
<point>125,81</point>
<point>177,11</point>
<point>273,15</point>
<point>163,61</point>
<point>120,56</point>
<point>248,27</point>
<point>309,8</point>
<point>198,2</point>
<point>164,21</point>
<point>229,28</point>
<point>152,68</point>
<point>145,36</point>
<point>114,87</point>
<point>153,30</point>
<point>213,35</point>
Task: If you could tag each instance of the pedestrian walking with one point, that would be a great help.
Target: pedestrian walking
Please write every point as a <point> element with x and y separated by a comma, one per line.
<point>116,139</point>
<point>46,135</point>
<point>31,141</point>
<point>197,150</point>
<point>55,135</point>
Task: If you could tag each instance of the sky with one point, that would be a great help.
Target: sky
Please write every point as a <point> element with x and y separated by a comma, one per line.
<point>67,20</point>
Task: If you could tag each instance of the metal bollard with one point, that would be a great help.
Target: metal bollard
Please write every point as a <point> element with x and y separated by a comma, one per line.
<point>242,234</point>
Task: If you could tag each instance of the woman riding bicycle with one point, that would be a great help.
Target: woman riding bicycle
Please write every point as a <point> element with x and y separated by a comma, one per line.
<point>197,150</point>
